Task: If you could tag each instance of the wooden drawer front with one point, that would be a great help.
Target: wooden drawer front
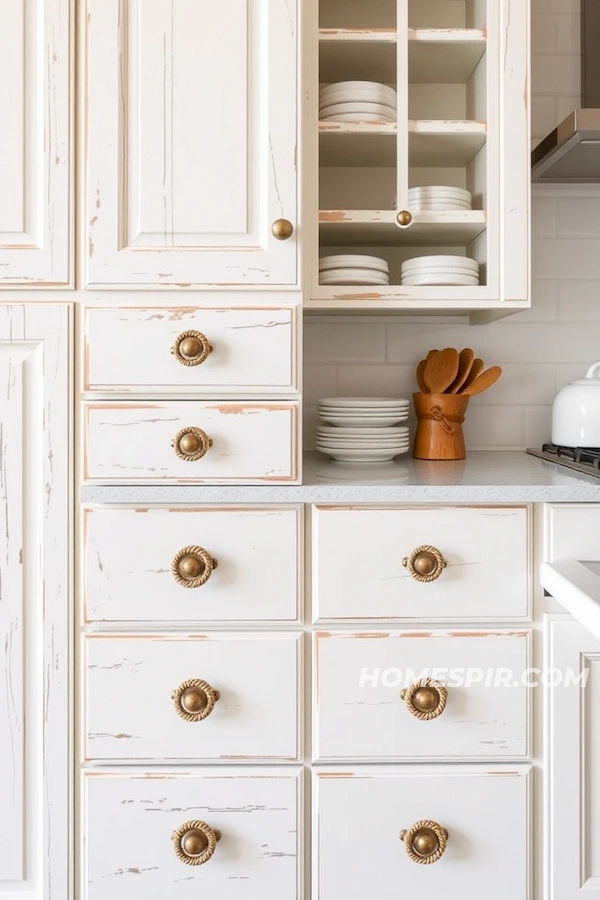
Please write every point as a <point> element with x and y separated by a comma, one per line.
<point>130,552</point>
<point>358,570</point>
<point>251,442</point>
<point>129,349</point>
<point>361,716</point>
<point>571,531</point>
<point>485,813</point>
<point>130,713</point>
<point>128,820</point>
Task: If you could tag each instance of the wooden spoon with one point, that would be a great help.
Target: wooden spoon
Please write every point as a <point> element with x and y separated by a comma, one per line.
<point>440,370</point>
<point>420,380</point>
<point>475,370</point>
<point>483,381</point>
<point>465,361</point>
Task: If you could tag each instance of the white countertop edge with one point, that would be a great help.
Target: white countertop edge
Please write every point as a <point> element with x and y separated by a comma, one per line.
<point>485,477</point>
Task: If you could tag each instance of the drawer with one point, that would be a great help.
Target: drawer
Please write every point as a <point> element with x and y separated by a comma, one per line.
<point>162,442</point>
<point>358,570</point>
<point>214,696</point>
<point>359,815</point>
<point>571,531</point>
<point>129,349</point>
<point>132,823</point>
<point>134,559</point>
<point>360,714</point>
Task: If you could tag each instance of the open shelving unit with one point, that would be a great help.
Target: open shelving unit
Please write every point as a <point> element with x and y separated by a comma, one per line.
<point>443,58</point>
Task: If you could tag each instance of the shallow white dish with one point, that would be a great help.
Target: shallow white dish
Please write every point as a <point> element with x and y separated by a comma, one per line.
<point>364,456</point>
<point>358,87</point>
<point>358,421</point>
<point>357,106</point>
<point>379,280</point>
<point>353,261</point>
<point>365,412</point>
<point>324,431</point>
<point>358,117</point>
<point>450,280</point>
<point>439,206</point>
<point>379,402</point>
<point>439,270</point>
<point>351,272</point>
<point>463,261</point>
<point>440,190</point>
<point>363,445</point>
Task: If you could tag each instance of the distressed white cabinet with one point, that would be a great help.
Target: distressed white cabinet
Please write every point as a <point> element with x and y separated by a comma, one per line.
<point>34,601</point>
<point>191,143</point>
<point>35,161</point>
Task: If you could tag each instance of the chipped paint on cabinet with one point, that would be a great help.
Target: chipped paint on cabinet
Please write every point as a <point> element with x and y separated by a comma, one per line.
<point>34,601</point>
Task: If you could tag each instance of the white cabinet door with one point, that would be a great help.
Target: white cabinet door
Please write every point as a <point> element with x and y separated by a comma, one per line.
<point>572,818</point>
<point>34,602</point>
<point>34,152</point>
<point>191,142</point>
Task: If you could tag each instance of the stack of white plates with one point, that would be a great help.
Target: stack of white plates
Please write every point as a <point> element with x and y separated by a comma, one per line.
<point>443,270</point>
<point>351,101</point>
<point>353,269</point>
<point>438,198</point>
<point>363,429</point>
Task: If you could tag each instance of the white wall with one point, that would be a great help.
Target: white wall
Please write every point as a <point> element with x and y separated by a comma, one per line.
<point>539,350</point>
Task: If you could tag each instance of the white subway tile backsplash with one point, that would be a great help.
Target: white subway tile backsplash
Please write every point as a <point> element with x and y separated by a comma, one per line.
<point>541,349</point>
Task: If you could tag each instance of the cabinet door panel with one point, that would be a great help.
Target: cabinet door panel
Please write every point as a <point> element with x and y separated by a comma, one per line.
<point>191,130</point>
<point>34,504</point>
<point>34,154</point>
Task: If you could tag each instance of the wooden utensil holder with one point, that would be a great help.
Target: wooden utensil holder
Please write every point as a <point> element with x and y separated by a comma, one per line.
<point>439,428</point>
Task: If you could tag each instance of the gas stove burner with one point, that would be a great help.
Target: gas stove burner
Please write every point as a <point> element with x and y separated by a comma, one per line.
<point>581,459</point>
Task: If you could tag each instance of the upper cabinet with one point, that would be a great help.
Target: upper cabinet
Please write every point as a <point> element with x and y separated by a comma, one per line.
<point>191,143</point>
<point>35,148</point>
<point>459,119</point>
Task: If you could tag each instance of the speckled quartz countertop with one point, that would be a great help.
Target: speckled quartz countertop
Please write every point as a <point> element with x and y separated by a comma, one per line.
<point>485,477</point>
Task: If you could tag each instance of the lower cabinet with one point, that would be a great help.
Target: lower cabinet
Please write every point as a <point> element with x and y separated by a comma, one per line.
<point>458,833</point>
<point>177,834</point>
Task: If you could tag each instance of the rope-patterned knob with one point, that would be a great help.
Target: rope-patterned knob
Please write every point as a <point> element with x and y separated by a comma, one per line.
<point>191,348</point>
<point>195,842</point>
<point>425,699</point>
<point>191,444</point>
<point>424,842</point>
<point>192,567</point>
<point>425,563</point>
<point>194,699</point>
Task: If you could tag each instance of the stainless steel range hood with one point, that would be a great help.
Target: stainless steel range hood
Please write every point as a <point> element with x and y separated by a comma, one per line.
<point>571,153</point>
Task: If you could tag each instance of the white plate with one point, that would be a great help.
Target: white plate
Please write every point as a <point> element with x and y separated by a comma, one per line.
<point>381,281</point>
<point>356,88</point>
<point>351,272</point>
<point>464,261</point>
<point>365,411</point>
<point>359,421</point>
<point>357,99</point>
<point>440,190</point>
<point>357,117</point>
<point>362,445</point>
<point>439,270</point>
<point>325,432</point>
<point>380,402</point>
<point>449,280</point>
<point>354,261</point>
<point>364,456</point>
<point>358,106</point>
<point>438,205</point>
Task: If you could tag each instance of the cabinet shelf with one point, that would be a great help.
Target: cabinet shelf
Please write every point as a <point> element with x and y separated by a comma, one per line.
<point>444,56</point>
<point>445,143</point>
<point>369,54</point>
<point>358,227</point>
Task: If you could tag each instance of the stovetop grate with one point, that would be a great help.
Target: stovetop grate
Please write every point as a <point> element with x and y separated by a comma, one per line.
<point>585,460</point>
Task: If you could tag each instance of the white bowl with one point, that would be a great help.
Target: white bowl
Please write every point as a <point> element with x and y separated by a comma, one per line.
<point>442,261</point>
<point>441,280</point>
<point>355,261</point>
<point>379,402</point>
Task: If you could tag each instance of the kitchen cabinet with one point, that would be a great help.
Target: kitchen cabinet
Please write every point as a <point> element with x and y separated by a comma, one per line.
<point>35,156</point>
<point>191,143</point>
<point>35,492</point>
<point>460,71</point>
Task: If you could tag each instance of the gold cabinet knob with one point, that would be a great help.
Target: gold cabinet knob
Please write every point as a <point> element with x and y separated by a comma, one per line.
<point>425,699</point>
<point>425,563</point>
<point>191,444</point>
<point>192,566</point>
<point>194,699</point>
<point>425,841</point>
<point>195,842</point>
<point>282,229</point>
<point>404,218</point>
<point>191,348</point>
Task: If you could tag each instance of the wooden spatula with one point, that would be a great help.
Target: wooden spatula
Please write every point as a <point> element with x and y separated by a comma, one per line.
<point>476,369</point>
<point>420,380</point>
<point>465,361</point>
<point>440,370</point>
<point>483,381</point>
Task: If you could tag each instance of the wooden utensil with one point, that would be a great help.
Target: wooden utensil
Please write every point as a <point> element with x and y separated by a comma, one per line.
<point>465,361</point>
<point>420,380</point>
<point>483,381</point>
<point>440,370</point>
<point>476,369</point>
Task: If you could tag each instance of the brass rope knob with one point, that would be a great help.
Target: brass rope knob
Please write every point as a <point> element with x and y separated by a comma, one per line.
<point>191,444</point>
<point>191,567</point>
<point>195,842</point>
<point>425,699</point>
<point>191,348</point>
<point>194,699</point>
<point>404,218</point>
<point>282,229</point>
<point>425,563</point>
<point>425,841</point>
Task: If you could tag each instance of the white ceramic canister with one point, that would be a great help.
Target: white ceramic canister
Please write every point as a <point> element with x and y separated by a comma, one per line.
<point>576,412</point>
